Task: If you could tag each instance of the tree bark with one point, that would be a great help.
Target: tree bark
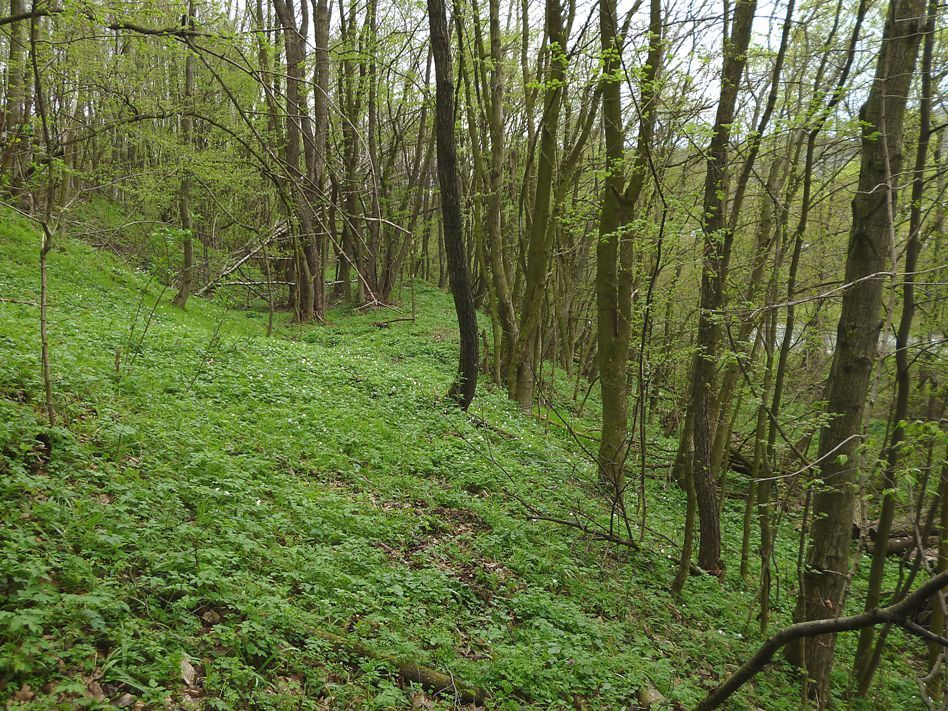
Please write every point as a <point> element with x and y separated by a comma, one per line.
<point>14,109</point>
<point>321,22</point>
<point>297,123</point>
<point>937,624</point>
<point>614,249</point>
<point>863,670</point>
<point>466,382</point>
<point>523,357</point>
<point>716,255</point>
<point>495,245</point>
<point>184,192</point>
<point>826,574</point>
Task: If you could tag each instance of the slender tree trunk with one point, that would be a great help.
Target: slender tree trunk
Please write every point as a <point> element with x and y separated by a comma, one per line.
<point>613,272</point>
<point>375,222</point>
<point>14,109</point>
<point>688,542</point>
<point>321,22</point>
<point>184,192</point>
<point>495,245</point>
<point>523,358</point>
<point>297,129</point>
<point>766,486</point>
<point>717,241</point>
<point>349,90</point>
<point>938,604</point>
<point>46,243</point>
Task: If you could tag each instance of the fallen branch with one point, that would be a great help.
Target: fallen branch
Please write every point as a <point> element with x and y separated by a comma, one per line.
<point>897,613</point>
<point>275,232</point>
<point>430,679</point>
<point>258,283</point>
<point>597,535</point>
<point>484,424</point>
<point>386,324</point>
<point>608,537</point>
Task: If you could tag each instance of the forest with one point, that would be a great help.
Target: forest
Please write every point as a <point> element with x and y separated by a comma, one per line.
<point>482,354</point>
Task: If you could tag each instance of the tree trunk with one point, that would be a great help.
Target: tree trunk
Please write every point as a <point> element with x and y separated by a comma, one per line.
<point>614,249</point>
<point>826,574</point>
<point>863,670</point>
<point>495,244</point>
<point>466,382</point>
<point>938,604</point>
<point>370,274</point>
<point>523,358</point>
<point>14,110</point>
<point>321,22</point>
<point>715,260</point>
<point>297,123</point>
<point>184,192</point>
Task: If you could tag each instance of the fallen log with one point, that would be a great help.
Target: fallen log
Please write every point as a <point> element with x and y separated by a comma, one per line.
<point>897,545</point>
<point>739,463</point>
<point>386,324</point>
<point>902,535</point>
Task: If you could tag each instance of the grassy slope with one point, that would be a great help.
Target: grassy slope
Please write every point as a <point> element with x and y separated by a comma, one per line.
<point>230,493</point>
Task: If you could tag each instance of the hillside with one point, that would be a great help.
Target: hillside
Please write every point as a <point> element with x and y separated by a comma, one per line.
<point>227,520</point>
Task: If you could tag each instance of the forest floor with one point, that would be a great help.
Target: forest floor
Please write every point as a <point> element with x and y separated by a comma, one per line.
<point>217,509</point>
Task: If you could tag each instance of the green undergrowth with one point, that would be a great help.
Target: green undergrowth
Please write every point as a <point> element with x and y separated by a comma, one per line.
<point>212,499</point>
